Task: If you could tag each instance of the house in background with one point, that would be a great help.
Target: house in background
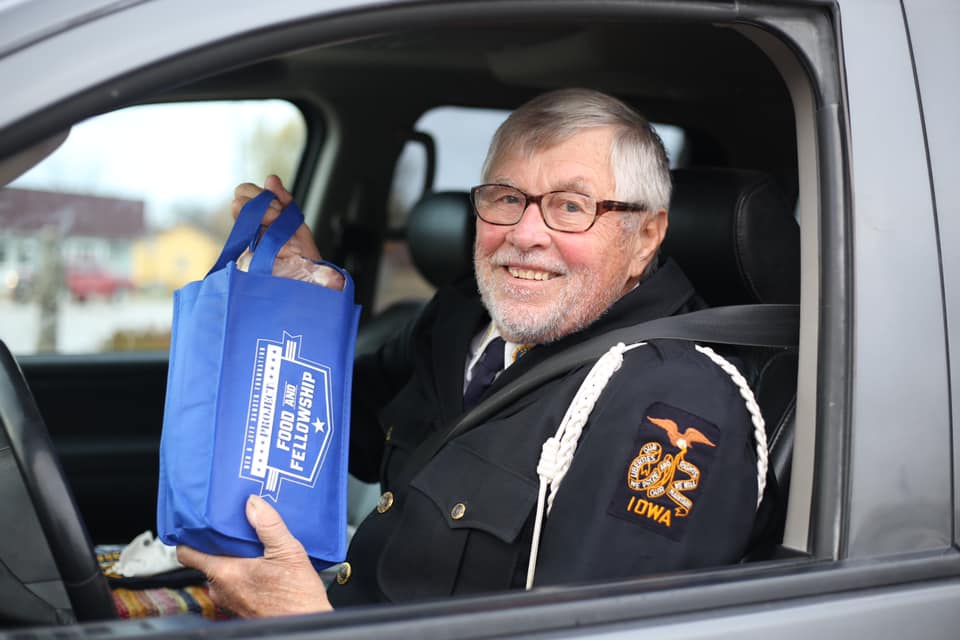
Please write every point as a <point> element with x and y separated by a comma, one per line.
<point>169,259</point>
<point>95,232</point>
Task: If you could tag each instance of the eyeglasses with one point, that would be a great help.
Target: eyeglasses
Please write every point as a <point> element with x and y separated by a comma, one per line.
<point>566,211</point>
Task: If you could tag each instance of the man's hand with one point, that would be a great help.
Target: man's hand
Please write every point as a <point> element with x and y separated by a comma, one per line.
<point>281,582</point>
<point>301,244</point>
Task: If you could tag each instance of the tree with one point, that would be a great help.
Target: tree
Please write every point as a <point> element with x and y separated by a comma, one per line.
<point>271,148</point>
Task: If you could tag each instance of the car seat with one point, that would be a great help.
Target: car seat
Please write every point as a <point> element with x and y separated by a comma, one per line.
<point>734,234</point>
<point>439,233</point>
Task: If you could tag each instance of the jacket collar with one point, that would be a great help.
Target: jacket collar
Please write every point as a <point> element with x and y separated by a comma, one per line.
<point>665,292</point>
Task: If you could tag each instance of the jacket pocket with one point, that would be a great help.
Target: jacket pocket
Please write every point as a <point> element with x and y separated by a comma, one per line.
<point>458,530</point>
<point>472,492</point>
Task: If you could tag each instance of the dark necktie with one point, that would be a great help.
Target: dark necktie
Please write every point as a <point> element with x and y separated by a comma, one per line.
<point>484,371</point>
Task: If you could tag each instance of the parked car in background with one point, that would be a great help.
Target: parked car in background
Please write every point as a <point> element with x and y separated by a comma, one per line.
<point>845,107</point>
<point>85,281</point>
<point>81,282</point>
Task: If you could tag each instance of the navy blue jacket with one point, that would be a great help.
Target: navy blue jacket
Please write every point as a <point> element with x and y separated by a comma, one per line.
<point>664,477</point>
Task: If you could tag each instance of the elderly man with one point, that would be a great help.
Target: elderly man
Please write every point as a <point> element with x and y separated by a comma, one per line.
<point>569,222</point>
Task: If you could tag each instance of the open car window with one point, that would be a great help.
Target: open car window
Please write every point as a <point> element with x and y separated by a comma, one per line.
<point>346,184</point>
<point>132,205</point>
<point>350,186</point>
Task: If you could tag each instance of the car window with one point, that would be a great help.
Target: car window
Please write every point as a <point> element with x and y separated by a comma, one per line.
<point>133,205</point>
<point>461,136</point>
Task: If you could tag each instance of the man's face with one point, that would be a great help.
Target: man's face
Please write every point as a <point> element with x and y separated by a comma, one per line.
<point>539,284</point>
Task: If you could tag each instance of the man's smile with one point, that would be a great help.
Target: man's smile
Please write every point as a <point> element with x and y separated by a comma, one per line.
<point>530,274</point>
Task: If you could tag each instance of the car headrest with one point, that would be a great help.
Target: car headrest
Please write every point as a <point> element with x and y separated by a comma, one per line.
<point>734,235</point>
<point>440,231</point>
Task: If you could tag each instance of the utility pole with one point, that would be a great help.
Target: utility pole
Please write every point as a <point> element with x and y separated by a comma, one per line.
<point>48,289</point>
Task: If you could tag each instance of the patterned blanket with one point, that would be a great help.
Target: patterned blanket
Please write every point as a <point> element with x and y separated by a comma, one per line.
<point>171,593</point>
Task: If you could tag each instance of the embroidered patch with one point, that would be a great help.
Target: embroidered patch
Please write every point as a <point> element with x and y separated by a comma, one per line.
<point>519,351</point>
<point>671,459</point>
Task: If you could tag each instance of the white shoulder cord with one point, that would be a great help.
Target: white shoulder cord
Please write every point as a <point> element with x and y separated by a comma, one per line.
<point>759,427</point>
<point>557,452</point>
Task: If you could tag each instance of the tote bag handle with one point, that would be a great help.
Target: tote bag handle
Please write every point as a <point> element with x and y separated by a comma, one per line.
<point>276,235</point>
<point>244,229</point>
<point>243,235</point>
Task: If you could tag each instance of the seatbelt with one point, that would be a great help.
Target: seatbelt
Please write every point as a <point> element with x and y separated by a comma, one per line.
<point>754,325</point>
<point>751,325</point>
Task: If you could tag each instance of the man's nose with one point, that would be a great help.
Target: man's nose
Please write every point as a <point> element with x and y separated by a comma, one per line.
<point>531,230</point>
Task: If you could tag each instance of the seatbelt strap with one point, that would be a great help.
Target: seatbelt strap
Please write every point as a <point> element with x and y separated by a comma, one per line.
<point>753,325</point>
<point>757,325</point>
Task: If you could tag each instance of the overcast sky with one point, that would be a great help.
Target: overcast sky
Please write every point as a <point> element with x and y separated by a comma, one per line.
<point>162,154</point>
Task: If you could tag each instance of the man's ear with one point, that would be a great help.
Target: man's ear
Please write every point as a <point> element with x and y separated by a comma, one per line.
<point>649,237</point>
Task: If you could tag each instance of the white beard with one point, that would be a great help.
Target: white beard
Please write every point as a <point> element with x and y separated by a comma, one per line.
<point>582,299</point>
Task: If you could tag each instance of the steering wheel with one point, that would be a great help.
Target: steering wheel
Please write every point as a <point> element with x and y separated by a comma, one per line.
<point>47,564</point>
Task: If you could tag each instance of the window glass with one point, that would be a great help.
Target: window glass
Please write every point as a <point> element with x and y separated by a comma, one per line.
<point>133,205</point>
<point>461,136</point>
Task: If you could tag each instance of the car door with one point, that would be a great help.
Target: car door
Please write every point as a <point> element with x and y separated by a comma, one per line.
<point>933,48</point>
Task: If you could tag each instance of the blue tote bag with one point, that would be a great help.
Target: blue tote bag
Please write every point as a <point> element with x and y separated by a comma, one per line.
<point>258,400</point>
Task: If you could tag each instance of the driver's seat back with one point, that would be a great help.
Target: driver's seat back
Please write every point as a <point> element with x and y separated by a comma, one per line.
<point>734,234</point>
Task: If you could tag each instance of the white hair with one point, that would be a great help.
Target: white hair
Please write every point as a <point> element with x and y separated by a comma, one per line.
<point>641,171</point>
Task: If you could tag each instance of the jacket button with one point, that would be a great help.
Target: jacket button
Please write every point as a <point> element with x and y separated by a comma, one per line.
<point>385,502</point>
<point>344,573</point>
<point>458,511</point>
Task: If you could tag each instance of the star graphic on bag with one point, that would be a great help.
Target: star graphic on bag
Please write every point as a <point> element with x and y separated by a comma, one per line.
<point>318,425</point>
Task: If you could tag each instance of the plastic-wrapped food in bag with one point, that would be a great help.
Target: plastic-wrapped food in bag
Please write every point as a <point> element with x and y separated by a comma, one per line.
<point>299,268</point>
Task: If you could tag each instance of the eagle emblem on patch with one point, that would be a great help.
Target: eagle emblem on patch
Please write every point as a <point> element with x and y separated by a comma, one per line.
<point>673,451</point>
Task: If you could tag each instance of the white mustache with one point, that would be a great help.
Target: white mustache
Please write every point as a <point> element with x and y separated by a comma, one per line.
<point>509,257</point>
